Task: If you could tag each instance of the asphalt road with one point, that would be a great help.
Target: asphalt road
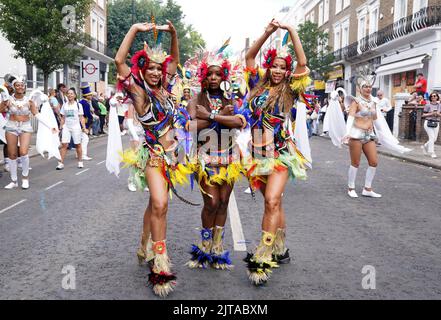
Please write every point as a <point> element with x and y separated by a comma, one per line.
<point>90,221</point>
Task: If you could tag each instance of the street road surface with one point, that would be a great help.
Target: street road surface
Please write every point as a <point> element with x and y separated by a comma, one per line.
<point>87,219</point>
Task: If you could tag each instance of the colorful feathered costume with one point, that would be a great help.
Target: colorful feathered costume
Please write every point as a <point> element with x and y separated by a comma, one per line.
<point>218,161</point>
<point>279,142</point>
<point>161,122</point>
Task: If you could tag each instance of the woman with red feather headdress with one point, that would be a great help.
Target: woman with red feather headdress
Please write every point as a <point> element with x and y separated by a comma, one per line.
<point>148,83</point>
<point>279,148</point>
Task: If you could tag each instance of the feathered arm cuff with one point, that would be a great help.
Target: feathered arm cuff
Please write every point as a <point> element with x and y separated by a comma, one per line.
<point>300,81</point>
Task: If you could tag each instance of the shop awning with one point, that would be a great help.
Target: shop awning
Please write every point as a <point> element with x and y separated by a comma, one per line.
<point>401,66</point>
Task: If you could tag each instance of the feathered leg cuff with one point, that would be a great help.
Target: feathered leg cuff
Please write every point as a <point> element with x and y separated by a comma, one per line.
<point>161,277</point>
<point>221,257</point>
<point>260,264</point>
<point>201,255</point>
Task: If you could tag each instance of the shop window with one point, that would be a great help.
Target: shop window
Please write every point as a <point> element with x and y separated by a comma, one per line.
<point>411,75</point>
<point>396,80</point>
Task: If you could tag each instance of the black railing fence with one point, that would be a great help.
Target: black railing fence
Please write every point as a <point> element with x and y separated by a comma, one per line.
<point>426,17</point>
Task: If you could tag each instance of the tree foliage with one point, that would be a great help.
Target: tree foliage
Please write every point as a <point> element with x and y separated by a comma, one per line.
<point>314,42</point>
<point>120,20</point>
<point>35,29</point>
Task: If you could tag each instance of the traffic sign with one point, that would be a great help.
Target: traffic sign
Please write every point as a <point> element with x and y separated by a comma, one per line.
<point>90,71</point>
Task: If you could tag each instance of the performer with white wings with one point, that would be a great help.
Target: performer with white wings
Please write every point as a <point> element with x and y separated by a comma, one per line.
<point>364,127</point>
<point>19,129</point>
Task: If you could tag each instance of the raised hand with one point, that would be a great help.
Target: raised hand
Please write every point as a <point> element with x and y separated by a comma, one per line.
<point>272,26</point>
<point>281,25</point>
<point>169,27</point>
<point>144,27</point>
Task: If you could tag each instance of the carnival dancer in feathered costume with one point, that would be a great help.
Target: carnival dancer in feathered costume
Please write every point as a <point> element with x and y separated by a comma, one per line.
<point>148,83</point>
<point>18,128</point>
<point>216,116</point>
<point>279,148</point>
<point>364,127</point>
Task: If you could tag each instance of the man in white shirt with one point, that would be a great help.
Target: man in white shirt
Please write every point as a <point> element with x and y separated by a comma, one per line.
<point>385,106</point>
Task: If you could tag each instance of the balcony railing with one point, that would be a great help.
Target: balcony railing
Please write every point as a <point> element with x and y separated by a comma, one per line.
<point>100,47</point>
<point>426,17</point>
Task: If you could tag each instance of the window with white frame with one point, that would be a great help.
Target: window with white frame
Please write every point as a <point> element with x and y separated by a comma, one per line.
<point>400,9</point>
<point>345,33</point>
<point>337,36</point>
<point>326,11</point>
<point>361,27</point>
<point>312,18</point>
<point>326,42</point>
<point>374,13</point>
<point>346,3</point>
<point>320,20</point>
<point>307,17</point>
<point>101,33</point>
<point>93,28</point>
<point>418,5</point>
<point>337,6</point>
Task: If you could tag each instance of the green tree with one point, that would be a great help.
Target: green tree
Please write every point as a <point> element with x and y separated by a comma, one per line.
<point>42,33</point>
<point>119,21</point>
<point>312,38</point>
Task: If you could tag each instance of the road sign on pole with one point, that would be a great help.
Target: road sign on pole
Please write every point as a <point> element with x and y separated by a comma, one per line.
<point>90,71</point>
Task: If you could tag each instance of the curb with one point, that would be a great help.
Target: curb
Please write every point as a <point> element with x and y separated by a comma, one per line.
<point>403,158</point>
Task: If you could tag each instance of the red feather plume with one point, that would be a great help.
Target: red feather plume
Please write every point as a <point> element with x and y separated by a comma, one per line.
<point>269,58</point>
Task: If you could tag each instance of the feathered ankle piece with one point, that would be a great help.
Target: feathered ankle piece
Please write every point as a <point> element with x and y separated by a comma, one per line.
<point>280,252</point>
<point>161,277</point>
<point>221,257</point>
<point>146,254</point>
<point>201,254</point>
<point>260,264</point>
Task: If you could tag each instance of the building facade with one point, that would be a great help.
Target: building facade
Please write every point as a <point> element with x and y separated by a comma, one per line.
<point>95,26</point>
<point>396,39</point>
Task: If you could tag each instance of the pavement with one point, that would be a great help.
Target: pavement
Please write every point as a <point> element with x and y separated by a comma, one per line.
<point>84,222</point>
<point>416,154</point>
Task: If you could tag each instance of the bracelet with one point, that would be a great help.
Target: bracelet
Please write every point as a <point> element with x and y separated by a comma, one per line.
<point>242,118</point>
<point>299,75</point>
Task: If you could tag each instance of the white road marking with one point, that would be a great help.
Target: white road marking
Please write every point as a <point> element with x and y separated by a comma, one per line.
<point>236,225</point>
<point>54,185</point>
<point>77,174</point>
<point>100,162</point>
<point>14,205</point>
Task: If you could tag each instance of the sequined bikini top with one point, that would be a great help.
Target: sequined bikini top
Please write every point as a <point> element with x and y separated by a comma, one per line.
<point>19,107</point>
<point>367,108</point>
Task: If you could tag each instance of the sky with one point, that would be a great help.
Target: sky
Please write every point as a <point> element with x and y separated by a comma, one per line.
<point>217,20</point>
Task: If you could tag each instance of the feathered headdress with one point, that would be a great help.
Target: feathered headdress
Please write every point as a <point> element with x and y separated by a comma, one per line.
<point>141,59</point>
<point>365,77</point>
<point>272,54</point>
<point>211,60</point>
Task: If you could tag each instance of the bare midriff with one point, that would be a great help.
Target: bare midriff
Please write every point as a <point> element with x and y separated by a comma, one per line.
<point>19,118</point>
<point>263,138</point>
<point>365,123</point>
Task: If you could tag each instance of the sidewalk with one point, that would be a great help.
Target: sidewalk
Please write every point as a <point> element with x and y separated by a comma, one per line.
<point>415,156</point>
